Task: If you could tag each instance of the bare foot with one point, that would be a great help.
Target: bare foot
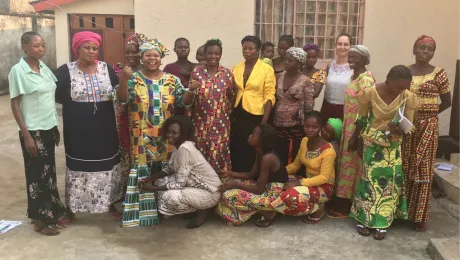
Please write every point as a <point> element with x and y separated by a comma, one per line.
<point>45,229</point>
<point>315,217</point>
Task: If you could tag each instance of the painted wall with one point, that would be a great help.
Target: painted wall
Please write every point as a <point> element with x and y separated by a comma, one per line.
<point>121,7</point>
<point>197,21</point>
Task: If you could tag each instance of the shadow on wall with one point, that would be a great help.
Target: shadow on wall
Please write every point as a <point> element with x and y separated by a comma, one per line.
<point>11,30</point>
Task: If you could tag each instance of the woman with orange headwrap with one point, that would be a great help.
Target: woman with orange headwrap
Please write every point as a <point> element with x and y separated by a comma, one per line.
<point>419,147</point>
<point>84,88</point>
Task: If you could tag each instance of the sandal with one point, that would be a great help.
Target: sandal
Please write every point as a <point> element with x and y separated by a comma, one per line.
<point>362,230</point>
<point>380,234</point>
<point>336,215</point>
<point>310,220</point>
<point>421,226</point>
<point>264,221</point>
<point>45,229</point>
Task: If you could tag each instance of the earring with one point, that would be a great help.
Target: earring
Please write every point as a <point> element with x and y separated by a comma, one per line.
<point>141,62</point>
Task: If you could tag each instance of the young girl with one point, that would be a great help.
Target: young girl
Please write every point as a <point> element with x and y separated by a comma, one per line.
<point>187,183</point>
<point>307,196</point>
<point>259,187</point>
<point>268,52</point>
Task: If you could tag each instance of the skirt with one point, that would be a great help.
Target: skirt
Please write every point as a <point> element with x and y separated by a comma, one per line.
<point>289,140</point>
<point>380,196</point>
<point>242,154</point>
<point>238,206</point>
<point>43,202</point>
<point>303,200</point>
<point>329,110</point>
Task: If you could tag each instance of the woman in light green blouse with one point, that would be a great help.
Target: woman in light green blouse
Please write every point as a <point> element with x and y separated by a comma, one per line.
<point>32,86</point>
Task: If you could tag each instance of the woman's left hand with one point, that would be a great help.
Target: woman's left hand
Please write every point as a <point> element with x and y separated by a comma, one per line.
<point>395,130</point>
<point>228,186</point>
<point>291,184</point>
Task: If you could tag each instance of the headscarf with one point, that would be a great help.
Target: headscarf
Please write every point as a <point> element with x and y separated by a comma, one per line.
<point>154,44</point>
<point>81,38</point>
<point>299,54</point>
<point>311,46</point>
<point>363,51</point>
<point>137,39</point>
<point>424,38</point>
<point>336,124</point>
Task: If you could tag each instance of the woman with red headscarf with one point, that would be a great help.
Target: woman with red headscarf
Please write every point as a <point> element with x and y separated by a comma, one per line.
<point>133,61</point>
<point>419,147</point>
<point>84,88</point>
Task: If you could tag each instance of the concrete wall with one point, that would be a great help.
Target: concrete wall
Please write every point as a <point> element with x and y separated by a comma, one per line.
<point>197,21</point>
<point>121,7</point>
<point>390,36</point>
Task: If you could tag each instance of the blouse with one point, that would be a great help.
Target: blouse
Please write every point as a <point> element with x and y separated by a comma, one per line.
<point>319,164</point>
<point>37,89</point>
<point>319,76</point>
<point>259,88</point>
<point>293,103</point>
<point>188,168</point>
<point>338,78</point>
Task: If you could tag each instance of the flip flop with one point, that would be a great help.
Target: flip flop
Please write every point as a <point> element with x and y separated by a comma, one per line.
<point>309,220</point>
<point>362,230</point>
<point>336,215</point>
<point>380,234</point>
<point>264,221</point>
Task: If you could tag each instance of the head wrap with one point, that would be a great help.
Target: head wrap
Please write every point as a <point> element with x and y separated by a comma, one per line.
<point>311,46</point>
<point>299,54</point>
<point>137,39</point>
<point>424,38</point>
<point>154,44</point>
<point>363,51</point>
<point>82,37</point>
<point>336,124</point>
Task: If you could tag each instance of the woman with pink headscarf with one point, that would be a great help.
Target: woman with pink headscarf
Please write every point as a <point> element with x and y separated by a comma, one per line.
<point>84,88</point>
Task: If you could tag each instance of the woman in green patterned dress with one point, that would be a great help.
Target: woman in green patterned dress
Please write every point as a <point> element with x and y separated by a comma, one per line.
<point>379,197</point>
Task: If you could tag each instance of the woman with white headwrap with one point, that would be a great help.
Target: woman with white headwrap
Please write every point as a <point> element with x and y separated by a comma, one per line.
<point>151,95</point>
<point>295,98</point>
<point>350,163</point>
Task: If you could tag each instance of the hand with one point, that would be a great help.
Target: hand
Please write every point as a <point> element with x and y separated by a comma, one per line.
<point>291,184</point>
<point>353,143</point>
<point>394,130</point>
<point>127,72</point>
<point>145,184</point>
<point>194,85</point>
<point>225,174</point>
<point>30,144</point>
<point>228,186</point>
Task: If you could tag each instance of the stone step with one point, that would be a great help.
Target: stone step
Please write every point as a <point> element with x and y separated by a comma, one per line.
<point>449,181</point>
<point>444,248</point>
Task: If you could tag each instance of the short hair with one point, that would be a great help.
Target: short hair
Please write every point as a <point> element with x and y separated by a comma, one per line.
<point>212,42</point>
<point>268,138</point>
<point>254,39</point>
<point>180,39</point>
<point>25,38</point>
<point>344,34</point>
<point>399,72</point>
<point>267,44</point>
<point>289,39</point>
<point>186,127</point>
<point>317,115</point>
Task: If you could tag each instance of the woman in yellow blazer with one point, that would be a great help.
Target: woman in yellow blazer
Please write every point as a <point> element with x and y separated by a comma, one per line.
<point>255,82</point>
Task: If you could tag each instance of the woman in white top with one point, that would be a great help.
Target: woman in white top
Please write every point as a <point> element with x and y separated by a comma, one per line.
<point>338,78</point>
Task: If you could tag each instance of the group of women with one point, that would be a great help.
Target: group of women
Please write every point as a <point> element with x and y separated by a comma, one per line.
<point>198,136</point>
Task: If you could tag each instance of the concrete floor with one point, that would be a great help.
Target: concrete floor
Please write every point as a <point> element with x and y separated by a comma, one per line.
<point>97,237</point>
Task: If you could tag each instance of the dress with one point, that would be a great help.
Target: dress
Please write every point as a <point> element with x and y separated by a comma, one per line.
<point>211,115</point>
<point>419,147</point>
<point>317,187</point>
<point>338,78</point>
<point>192,183</point>
<point>320,76</point>
<point>350,164</point>
<point>379,197</point>
<point>289,113</point>
<point>93,176</point>
<point>150,103</point>
<point>36,91</point>
<point>237,206</point>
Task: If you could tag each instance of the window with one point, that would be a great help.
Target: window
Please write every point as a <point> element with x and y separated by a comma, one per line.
<point>310,21</point>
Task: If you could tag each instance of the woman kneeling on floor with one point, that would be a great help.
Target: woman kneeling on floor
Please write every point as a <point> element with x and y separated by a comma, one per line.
<point>188,183</point>
<point>259,187</point>
<point>306,196</point>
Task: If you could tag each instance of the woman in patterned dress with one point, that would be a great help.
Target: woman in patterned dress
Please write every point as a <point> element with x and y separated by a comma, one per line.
<point>294,97</point>
<point>379,197</point>
<point>85,90</point>
<point>215,95</point>
<point>350,164</point>
<point>419,147</point>
<point>317,76</point>
<point>151,95</point>
<point>132,57</point>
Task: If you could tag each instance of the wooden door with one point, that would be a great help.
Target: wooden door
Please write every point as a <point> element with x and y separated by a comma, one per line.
<point>113,28</point>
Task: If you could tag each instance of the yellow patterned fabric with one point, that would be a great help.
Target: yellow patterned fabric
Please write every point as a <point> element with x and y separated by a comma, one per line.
<point>319,76</point>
